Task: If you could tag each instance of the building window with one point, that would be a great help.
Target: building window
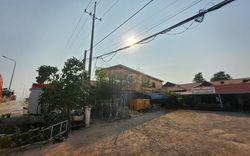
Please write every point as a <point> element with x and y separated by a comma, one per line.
<point>153,85</point>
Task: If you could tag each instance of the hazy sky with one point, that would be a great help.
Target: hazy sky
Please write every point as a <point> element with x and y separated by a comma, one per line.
<point>37,32</point>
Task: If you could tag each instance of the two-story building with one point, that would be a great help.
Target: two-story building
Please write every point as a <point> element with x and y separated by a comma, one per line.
<point>135,80</point>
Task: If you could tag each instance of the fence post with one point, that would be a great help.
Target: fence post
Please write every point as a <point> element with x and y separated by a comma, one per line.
<point>61,127</point>
<point>87,115</point>
<point>51,132</point>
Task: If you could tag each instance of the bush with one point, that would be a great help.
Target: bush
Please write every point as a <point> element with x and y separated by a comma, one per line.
<point>5,141</point>
<point>15,140</point>
<point>7,115</point>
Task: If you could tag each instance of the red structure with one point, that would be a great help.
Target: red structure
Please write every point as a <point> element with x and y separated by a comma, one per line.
<point>1,87</point>
<point>37,85</point>
<point>233,88</point>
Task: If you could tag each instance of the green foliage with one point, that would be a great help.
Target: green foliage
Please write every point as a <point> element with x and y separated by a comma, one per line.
<point>221,76</point>
<point>170,94</point>
<point>72,71</point>
<point>106,85</point>
<point>51,99</point>
<point>198,78</point>
<point>67,92</point>
<point>31,136</point>
<point>5,141</point>
<point>145,82</point>
<point>46,74</point>
<point>7,115</point>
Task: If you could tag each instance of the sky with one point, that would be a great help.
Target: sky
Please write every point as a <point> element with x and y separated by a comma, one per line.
<point>41,32</point>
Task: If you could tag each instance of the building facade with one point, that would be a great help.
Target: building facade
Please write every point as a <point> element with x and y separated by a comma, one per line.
<point>133,79</point>
<point>226,94</point>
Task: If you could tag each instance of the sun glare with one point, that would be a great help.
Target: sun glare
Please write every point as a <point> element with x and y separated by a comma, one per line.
<point>131,40</point>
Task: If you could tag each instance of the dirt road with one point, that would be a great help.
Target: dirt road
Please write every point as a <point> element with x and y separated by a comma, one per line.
<point>88,136</point>
<point>177,133</point>
<point>182,132</point>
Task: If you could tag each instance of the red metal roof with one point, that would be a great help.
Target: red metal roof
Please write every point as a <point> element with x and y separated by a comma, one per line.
<point>233,88</point>
<point>36,85</point>
<point>232,81</point>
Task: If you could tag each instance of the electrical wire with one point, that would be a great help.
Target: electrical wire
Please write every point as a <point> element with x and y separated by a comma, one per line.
<point>79,32</point>
<point>106,61</point>
<point>186,28</point>
<point>142,22</point>
<point>98,2</point>
<point>189,27</point>
<point>148,40</point>
<point>120,24</point>
<point>76,26</point>
<point>89,4</point>
<point>109,9</point>
<point>165,20</point>
<point>171,17</point>
<point>123,23</point>
<point>213,8</point>
<point>74,30</point>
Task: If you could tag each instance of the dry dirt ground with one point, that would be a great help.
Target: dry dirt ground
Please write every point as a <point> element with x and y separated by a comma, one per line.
<point>182,132</point>
<point>13,107</point>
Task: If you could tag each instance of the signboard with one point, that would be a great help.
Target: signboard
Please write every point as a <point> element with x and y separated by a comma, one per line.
<point>203,90</point>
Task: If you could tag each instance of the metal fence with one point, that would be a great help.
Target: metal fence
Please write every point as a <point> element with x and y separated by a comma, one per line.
<point>35,135</point>
<point>112,109</point>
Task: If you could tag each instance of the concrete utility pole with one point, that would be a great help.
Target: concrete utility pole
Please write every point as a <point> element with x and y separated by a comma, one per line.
<point>88,108</point>
<point>12,71</point>
<point>84,68</point>
<point>92,38</point>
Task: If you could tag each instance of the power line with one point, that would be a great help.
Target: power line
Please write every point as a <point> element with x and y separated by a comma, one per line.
<point>142,22</point>
<point>186,28</point>
<point>198,15</point>
<point>171,17</point>
<point>109,58</point>
<point>78,32</point>
<point>108,10</point>
<point>89,4</point>
<point>165,20</point>
<point>76,26</point>
<point>123,23</point>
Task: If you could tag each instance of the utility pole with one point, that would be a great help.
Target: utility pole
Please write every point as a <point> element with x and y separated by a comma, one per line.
<point>88,108</point>
<point>92,38</point>
<point>13,69</point>
<point>84,59</point>
<point>84,68</point>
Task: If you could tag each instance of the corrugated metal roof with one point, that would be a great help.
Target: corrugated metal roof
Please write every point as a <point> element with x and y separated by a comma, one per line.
<point>241,85</point>
<point>232,81</point>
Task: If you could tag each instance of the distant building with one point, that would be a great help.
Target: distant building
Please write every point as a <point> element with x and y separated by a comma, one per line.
<point>35,93</point>
<point>227,94</point>
<point>134,79</point>
<point>234,86</point>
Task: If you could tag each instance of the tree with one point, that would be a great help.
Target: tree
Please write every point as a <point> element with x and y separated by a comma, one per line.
<point>198,78</point>
<point>106,85</point>
<point>73,93</point>
<point>46,74</point>
<point>220,76</point>
<point>66,92</point>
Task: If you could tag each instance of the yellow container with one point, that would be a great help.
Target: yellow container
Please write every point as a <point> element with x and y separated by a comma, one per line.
<point>140,104</point>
